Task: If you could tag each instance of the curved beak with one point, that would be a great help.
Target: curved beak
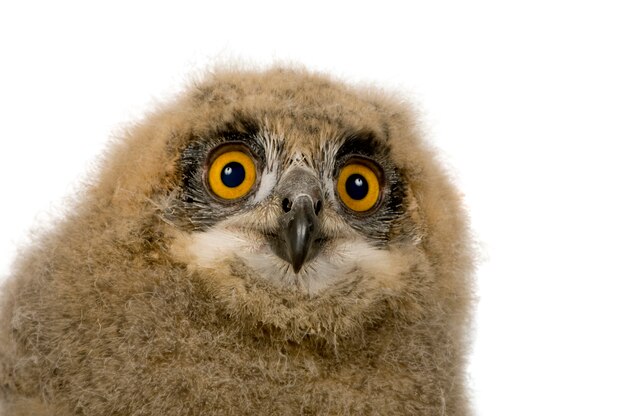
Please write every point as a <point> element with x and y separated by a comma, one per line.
<point>299,230</point>
<point>299,227</point>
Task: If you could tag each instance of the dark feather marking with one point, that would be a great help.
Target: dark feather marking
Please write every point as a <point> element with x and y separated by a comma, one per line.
<point>377,225</point>
<point>194,209</point>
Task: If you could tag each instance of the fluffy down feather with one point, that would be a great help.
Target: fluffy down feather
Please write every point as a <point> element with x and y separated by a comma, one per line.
<point>113,312</point>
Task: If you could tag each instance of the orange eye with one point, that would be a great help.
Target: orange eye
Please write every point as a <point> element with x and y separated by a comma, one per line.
<point>358,186</point>
<point>232,174</point>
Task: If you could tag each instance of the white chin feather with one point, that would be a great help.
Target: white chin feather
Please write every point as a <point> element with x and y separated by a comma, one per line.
<point>346,259</point>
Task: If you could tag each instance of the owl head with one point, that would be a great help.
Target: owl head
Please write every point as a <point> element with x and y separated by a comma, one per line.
<point>297,202</point>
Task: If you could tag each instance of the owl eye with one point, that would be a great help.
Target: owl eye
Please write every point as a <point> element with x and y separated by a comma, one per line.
<point>359,185</point>
<point>231,172</point>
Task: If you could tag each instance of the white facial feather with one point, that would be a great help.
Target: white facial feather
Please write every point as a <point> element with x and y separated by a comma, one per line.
<point>344,260</point>
<point>268,181</point>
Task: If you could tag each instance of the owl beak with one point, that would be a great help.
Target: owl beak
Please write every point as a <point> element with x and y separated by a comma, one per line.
<point>300,229</point>
<point>299,225</point>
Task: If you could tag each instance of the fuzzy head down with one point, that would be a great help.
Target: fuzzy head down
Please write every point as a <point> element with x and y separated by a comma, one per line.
<point>272,242</point>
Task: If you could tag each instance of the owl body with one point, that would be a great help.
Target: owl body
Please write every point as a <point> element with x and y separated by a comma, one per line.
<point>272,242</point>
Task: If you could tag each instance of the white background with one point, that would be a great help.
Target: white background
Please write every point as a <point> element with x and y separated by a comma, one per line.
<point>526,102</point>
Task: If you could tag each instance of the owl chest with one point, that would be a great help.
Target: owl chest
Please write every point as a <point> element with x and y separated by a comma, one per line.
<point>144,366</point>
<point>170,351</point>
<point>235,377</point>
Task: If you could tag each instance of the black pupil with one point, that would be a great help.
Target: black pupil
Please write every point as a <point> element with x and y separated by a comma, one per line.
<point>233,174</point>
<point>356,186</point>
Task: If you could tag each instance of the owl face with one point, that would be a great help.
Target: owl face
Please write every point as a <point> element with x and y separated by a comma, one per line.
<point>303,215</point>
<point>294,188</point>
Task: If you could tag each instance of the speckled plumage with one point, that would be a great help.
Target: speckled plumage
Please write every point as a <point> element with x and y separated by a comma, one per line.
<point>150,298</point>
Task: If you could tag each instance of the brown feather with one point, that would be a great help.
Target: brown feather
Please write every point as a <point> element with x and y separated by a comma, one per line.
<point>102,315</point>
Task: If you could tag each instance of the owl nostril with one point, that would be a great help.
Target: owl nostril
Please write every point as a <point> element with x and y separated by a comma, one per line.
<point>318,207</point>
<point>287,205</point>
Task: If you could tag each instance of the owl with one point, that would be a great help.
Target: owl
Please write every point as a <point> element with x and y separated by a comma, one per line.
<point>272,242</point>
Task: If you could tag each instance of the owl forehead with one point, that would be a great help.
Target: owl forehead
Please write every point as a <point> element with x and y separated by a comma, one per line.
<point>306,115</point>
<point>283,142</point>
